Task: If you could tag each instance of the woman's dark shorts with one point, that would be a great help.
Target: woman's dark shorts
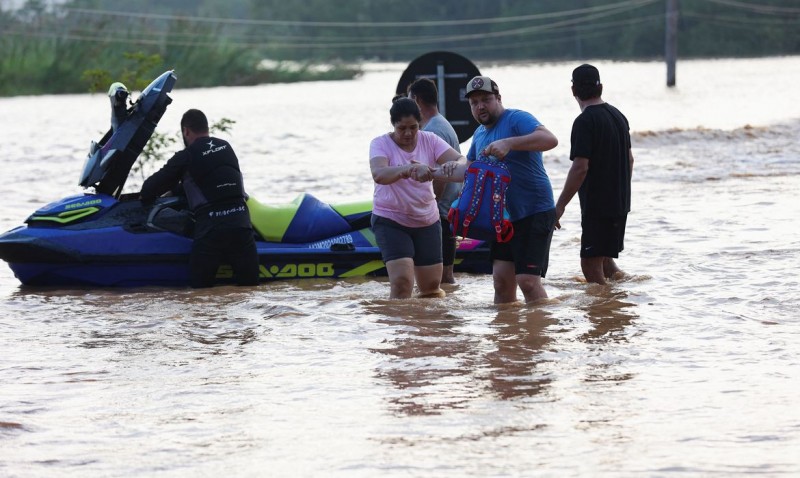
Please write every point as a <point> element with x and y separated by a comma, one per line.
<point>602,236</point>
<point>529,248</point>
<point>423,244</point>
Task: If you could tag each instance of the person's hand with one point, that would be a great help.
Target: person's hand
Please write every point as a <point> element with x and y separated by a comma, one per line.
<point>447,169</point>
<point>421,172</point>
<point>499,149</point>
<point>559,212</point>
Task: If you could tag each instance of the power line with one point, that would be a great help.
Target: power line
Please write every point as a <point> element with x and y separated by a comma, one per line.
<point>433,23</point>
<point>789,22</point>
<point>452,38</point>
<point>757,8</point>
<point>254,39</point>
<point>381,41</point>
<point>598,30</point>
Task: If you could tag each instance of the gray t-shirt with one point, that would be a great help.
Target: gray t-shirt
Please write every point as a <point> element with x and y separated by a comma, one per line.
<point>443,129</point>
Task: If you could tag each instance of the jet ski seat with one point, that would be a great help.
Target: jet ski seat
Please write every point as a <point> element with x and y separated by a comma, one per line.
<point>306,219</point>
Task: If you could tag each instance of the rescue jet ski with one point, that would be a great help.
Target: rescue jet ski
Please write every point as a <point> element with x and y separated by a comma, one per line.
<point>104,238</point>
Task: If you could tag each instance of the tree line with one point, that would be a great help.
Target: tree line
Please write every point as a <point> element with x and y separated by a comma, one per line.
<point>46,47</point>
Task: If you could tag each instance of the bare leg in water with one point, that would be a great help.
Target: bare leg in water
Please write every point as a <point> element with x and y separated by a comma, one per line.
<point>599,269</point>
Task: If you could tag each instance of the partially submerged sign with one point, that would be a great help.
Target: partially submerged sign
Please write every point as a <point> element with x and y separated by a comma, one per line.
<point>451,72</point>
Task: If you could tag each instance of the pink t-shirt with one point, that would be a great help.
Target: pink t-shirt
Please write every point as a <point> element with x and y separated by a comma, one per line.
<point>407,201</point>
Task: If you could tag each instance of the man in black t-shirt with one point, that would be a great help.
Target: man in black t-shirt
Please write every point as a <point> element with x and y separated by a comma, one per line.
<point>208,170</point>
<point>602,164</point>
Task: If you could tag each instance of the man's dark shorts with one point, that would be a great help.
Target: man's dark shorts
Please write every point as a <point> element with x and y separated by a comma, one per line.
<point>423,244</point>
<point>529,248</point>
<point>602,237</point>
<point>235,246</point>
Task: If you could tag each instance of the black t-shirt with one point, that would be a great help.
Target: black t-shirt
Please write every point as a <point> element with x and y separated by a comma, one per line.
<point>601,134</point>
<point>208,171</point>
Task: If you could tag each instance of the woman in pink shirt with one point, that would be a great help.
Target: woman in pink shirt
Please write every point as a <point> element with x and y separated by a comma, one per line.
<point>405,218</point>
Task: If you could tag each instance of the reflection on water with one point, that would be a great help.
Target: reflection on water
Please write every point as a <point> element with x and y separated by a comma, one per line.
<point>609,315</point>
<point>136,320</point>
<point>519,335</point>
<point>431,360</point>
<point>437,360</point>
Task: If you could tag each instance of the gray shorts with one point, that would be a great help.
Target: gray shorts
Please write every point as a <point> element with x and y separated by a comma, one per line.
<point>423,244</point>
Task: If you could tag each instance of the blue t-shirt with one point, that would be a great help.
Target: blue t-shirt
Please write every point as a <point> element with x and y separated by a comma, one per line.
<point>530,190</point>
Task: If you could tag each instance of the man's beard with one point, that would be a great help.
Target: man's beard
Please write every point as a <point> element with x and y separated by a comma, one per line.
<point>490,120</point>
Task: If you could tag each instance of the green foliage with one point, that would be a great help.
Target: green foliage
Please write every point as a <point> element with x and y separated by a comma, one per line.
<point>135,75</point>
<point>143,64</point>
<point>59,49</point>
<point>44,46</point>
<point>155,149</point>
<point>224,125</point>
<point>97,78</point>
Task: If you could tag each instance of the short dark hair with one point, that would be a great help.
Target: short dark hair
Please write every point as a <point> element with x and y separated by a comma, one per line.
<point>586,82</point>
<point>424,89</point>
<point>587,92</point>
<point>195,120</point>
<point>403,107</point>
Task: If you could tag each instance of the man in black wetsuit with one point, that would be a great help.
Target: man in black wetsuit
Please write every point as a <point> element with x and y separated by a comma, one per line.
<point>209,173</point>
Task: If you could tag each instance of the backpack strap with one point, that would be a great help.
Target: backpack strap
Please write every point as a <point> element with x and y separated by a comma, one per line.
<point>502,226</point>
<point>503,229</point>
<point>477,197</point>
<point>497,205</point>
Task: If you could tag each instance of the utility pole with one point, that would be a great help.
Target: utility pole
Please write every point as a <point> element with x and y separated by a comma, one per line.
<point>671,40</point>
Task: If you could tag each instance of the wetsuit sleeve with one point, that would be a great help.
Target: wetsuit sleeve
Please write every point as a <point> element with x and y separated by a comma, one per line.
<point>165,178</point>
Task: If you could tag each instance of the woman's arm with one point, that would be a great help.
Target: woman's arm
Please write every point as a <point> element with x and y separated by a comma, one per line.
<point>382,173</point>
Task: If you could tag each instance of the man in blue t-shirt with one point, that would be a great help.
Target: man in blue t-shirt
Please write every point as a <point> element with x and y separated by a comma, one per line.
<point>516,137</point>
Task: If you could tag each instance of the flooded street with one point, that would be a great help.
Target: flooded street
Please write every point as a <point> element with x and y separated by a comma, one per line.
<point>688,367</point>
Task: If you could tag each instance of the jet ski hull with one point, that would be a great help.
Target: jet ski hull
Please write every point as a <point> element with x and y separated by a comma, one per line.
<point>116,257</point>
<point>125,244</point>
